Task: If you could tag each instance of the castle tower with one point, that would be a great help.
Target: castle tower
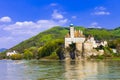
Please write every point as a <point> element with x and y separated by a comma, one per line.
<point>71,31</point>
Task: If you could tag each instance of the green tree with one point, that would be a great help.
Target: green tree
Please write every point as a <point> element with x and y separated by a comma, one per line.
<point>34,51</point>
<point>2,55</point>
<point>50,48</point>
<point>16,56</point>
<point>28,54</point>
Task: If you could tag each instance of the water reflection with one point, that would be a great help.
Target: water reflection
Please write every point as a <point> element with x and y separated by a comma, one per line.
<point>59,70</point>
<point>92,70</point>
<point>82,69</point>
<point>3,69</point>
<point>15,70</point>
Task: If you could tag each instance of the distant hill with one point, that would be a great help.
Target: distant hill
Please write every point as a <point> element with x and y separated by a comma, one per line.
<point>2,49</point>
<point>59,33</point>
<point>116,32</point>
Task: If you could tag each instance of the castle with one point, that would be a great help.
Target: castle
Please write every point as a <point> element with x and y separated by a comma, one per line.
<point>84,46</point>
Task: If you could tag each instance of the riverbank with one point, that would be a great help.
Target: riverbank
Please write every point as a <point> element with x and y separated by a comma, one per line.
<point>89,59</point>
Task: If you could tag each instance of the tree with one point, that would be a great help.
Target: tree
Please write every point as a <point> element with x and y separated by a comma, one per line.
<point>50,48</point>
<point>34,51</point>
<point>28,54</point>
<point>118,48</point>
<point>16,56</point>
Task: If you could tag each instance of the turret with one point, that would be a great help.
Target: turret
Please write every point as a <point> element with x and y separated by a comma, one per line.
<point>71,31</point>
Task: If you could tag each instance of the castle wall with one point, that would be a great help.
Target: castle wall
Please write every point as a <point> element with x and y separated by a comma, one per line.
<point>73,40</point>
<point>88,49</point>
<point>77,40</point>
<point>79,46</point>
<point>88,46</point>
<point>67,42</point>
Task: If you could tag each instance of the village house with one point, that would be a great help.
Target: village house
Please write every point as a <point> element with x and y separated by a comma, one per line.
<point>10,53</point>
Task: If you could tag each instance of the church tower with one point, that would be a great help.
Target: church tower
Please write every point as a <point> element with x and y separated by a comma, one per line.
<point>71,31</point>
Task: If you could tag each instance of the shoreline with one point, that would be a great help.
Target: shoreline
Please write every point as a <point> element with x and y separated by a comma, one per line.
<point>44,59</point>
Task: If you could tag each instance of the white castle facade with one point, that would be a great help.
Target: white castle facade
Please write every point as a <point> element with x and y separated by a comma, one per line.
<point>84,45</point>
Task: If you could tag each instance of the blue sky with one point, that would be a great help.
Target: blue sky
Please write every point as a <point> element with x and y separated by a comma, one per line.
<point>22,19</point>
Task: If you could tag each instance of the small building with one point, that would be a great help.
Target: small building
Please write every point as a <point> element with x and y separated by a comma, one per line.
<point>10,53</point>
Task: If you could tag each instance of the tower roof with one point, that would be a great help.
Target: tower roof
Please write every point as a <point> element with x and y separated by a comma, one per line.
<point>71,25</point>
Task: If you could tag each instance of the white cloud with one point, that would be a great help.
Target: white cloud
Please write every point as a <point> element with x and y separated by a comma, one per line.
<point>47,23</point>
<point>53,4</point>
<point>5,19</point>
<point>30,27</point>
<point>100,11</point>
<point>27,29</point>
<point>57,15</point>
<point>74,17</point>
<point>100,8</point>
<point>20,31</point>
<point>40,24</point>
<point>19,25</point>
<point>94,25</point>
<point>63,21</point>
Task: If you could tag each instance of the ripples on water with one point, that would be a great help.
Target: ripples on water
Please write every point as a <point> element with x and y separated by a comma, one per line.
<point>59,70</point>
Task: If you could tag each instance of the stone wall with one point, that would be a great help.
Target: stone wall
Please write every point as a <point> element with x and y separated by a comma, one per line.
<point>88,49</point>
<point>74,40</point>
<point>79,50</point>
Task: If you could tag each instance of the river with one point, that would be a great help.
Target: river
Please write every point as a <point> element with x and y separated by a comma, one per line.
<point>59,70</point>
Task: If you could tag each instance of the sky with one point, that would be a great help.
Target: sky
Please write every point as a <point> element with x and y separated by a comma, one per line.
<point>22,19</point>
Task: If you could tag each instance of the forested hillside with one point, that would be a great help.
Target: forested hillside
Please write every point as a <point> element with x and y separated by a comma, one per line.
<point>42,38</point>
<point>59,33</point>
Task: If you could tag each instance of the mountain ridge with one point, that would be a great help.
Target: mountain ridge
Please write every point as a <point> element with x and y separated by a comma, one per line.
<point>2,49</point>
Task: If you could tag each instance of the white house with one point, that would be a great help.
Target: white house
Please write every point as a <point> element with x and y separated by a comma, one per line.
<point>10,53</point>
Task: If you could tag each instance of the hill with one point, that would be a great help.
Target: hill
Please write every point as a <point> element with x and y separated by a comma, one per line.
<point>59,32</point>
<point>116,32</point>
<point>42,38</point>
<point>2,49</point>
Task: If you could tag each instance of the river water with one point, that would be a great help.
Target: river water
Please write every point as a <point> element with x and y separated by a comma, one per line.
<point>59,70</point>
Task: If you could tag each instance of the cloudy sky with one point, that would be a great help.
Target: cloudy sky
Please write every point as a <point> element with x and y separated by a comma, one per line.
<point>22,19</point>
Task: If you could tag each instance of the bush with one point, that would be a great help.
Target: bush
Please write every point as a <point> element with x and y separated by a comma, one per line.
<point>27,54</point>
<point>49,48</point>
<point>34,51</point>
<point>2,55</point>
<point>53,56</point>
<point>97,57</point>
<point>16,57</point>
<point>100,57</point>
